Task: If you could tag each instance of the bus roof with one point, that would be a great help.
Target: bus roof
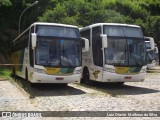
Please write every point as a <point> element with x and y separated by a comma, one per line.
<point>148,39</point>
<point>53,24</point>
<point>112,24</point>
<point>45,23</point>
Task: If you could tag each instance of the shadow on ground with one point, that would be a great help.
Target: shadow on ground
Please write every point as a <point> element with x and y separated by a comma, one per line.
<point>115,90</point>
<point>35,90</point>
<point>64,90</point>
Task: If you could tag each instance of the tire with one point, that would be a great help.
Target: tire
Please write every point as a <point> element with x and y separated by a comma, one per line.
<point>120,83</point>
<point>64,84</point>
<point>26,75</point>
<point>33,85</point>
<point>85,77</point>
<point>13,71</point>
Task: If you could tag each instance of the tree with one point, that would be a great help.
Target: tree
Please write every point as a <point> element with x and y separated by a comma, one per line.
<point>145,13</point>
<point>5,3</point>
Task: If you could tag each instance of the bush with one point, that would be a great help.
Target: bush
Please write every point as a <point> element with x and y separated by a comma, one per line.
<point>5,73</point>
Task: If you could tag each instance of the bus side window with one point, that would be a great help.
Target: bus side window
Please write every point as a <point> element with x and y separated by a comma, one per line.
<point>86,34</point>
<point>26,39</point>
<point>82,43</point>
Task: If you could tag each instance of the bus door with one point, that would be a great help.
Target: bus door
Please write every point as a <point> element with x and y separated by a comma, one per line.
<point>96,69</point>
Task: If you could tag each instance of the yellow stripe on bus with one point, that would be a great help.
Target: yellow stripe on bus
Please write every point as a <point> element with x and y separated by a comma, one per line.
<point>50,70</point>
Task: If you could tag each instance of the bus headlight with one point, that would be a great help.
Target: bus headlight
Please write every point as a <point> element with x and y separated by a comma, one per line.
<point>77,71</point>
<point>40,71</point>
<point>109,70</point>
<point>143,71</point>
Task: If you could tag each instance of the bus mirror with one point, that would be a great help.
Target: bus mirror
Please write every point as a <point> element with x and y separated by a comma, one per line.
<point>34,40</point>
<point>104,41</point>
<point>85,44</point>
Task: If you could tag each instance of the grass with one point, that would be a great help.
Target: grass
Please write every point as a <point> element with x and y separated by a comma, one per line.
<point>5,73</point>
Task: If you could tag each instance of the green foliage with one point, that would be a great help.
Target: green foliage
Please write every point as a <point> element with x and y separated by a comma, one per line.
<point>128,8</point>
<point>5,3</point>
<point>145,13</point>
<point>56,15</point>
<point>153,6</point>
<point>82,13</point>
<point>154,27</point>
<point>5,73</point>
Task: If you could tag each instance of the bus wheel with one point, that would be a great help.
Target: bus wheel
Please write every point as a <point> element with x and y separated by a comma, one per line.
<point>26,75</point>
<point>64,84</point>
<point>85,78</point>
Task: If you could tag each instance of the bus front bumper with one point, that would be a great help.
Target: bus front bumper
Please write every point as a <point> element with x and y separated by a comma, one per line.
<point>151,65</point>
<point>45,78</point>
<point>114,77</point>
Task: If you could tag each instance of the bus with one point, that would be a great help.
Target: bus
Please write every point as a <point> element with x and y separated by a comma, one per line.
<point>156,54</point>
<point>49,53</point>
<point>116,53</point>
<point>151,52</point>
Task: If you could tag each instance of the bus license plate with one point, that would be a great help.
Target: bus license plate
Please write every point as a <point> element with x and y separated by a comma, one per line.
<point>59,78</point>
<point>127,77</point>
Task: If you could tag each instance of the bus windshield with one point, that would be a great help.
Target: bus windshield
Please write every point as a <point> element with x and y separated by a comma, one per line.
<point>125,47</point>
<point>57,31</point>
<point>58,49</point>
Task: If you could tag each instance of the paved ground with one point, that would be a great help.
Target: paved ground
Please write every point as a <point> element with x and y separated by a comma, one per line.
<point>17,95</point>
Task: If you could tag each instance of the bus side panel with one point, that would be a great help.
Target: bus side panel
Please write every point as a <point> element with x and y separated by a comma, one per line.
<point>17,58</point>
<point>25,63</point>
<point>14,60</point>
<point>30,73</point>
<point>30,58</point>
<point>96,73</point>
